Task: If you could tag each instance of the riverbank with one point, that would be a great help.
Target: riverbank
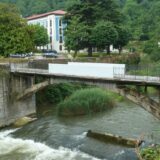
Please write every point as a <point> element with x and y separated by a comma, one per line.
<point>150,153</point>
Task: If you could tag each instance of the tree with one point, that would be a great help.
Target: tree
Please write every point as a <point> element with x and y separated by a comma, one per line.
<point>152,48</point>
<point>39,35</point>
<point>123,37</point>
<point>14,36</point>
<point>75,35</point>
<point>104,34</point>
<point>38,6</point>
<point>90,12</point>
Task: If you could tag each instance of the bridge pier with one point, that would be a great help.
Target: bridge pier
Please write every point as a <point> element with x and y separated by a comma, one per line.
<point>4,97</point>
<point>10,108</point>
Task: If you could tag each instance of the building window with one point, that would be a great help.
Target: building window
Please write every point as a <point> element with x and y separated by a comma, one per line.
<point>50,23</point>
<point>60,31</point>
<point>60,47</point>
<point>60,22</point>
<point>50,39</point>
<point>60,39</point>
<point>50,31</point>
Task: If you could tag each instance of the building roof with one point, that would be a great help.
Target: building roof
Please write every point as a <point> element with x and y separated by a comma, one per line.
<point>57,12</point>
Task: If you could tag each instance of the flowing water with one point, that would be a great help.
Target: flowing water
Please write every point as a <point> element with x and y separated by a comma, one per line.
<point>53,138</point>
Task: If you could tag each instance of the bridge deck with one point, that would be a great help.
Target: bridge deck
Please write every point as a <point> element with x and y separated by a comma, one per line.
<point>120,79</point>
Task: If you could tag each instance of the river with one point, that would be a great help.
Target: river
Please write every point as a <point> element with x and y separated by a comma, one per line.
<point>53,138</point>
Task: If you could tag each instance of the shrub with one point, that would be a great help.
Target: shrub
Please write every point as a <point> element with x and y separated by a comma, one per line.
<point>85,101</point>
<point>153,50</point>
<point>56,93</point>
<point>151,153</point>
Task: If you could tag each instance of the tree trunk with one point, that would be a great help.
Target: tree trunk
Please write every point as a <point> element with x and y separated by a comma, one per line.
<point>75,54</point>
<point>120,50</point>
<point>89,51</point>
<point>108,49</point>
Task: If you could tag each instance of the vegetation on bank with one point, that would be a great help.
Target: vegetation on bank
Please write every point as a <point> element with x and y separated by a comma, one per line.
<point>150,153</point>
<point>85,101</point>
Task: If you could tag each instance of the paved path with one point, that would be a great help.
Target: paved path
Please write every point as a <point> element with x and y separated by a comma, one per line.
<point>125,79</point>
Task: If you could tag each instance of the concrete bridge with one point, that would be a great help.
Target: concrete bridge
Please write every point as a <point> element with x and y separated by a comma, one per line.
<point>22,87</point>
<point>118,79</point>
<point>117,84</point>
<point>111,83</point>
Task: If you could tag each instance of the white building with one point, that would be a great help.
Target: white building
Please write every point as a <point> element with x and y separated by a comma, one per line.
<point>52,21</point>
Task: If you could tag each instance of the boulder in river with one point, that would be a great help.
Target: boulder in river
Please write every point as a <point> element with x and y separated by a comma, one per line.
<point>23,121</point>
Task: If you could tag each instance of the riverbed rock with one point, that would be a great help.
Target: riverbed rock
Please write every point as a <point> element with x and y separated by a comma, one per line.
<point>23,121</point>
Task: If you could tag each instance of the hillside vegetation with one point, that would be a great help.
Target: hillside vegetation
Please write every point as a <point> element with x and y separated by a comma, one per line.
<point>141,15</point>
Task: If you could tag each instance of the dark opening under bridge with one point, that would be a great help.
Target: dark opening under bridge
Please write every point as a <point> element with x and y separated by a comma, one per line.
<point>117,84</point>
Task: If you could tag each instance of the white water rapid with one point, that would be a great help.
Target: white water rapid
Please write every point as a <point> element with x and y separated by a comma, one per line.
<point>19,149</point>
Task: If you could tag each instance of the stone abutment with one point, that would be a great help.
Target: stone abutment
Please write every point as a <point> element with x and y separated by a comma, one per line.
<point>10,108</point>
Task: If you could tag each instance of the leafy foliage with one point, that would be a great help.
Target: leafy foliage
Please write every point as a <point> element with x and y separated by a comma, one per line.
<point>151,153</point>
<point>15,35</point>
<point>152,48</point>
<point>30,7</point>
<point>104,34</point>
<point>54,94</point>
<point>39,35</point>
<point>124,36</point>
<point>76,35</point>
<point>84,102</point>
<point>99,19</point>
<point>13,31</point>
<point>140,16</point>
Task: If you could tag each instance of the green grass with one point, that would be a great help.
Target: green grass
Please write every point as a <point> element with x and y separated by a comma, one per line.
<point>151,153</point>
<point>86,101</point>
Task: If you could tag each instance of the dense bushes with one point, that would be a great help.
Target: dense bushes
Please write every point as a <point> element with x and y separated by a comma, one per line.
<point>132,59</point>
<point>56,93</point>
<point>85,101</point>
<point>153,50</point>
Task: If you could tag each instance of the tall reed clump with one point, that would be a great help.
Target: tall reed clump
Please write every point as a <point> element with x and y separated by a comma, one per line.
<point>56,93</point>
<point>85,101</point>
